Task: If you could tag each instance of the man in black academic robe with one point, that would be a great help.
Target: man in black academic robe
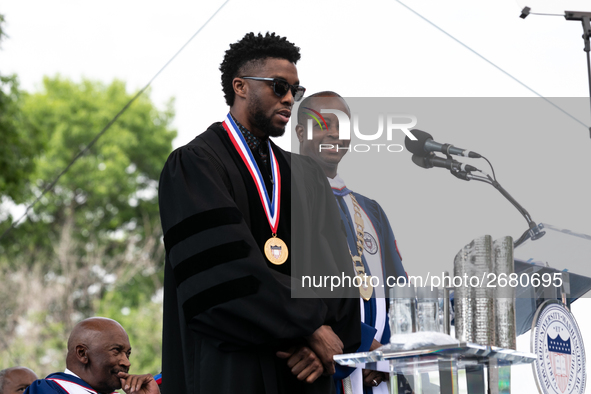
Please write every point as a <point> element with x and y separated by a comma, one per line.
<point>231,323</point>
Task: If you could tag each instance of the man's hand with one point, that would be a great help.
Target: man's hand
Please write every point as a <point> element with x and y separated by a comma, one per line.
<point>373,378</point>
<point>325,343</point>
<point>370,378</point>
<point>138,384</point>
<point>304,363</point>
<point>374,345</point>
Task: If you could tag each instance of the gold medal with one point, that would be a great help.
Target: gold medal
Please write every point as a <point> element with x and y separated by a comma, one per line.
<point>276,250</point>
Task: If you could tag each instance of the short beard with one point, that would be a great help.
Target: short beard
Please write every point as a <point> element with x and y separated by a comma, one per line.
<point>262,122</point>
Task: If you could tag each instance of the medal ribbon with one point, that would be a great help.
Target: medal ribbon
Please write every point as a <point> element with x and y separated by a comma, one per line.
<point>271,207</point>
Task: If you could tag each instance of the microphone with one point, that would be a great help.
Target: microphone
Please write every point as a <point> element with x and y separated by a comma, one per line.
<point>431,160</point>
<point>425,144</point>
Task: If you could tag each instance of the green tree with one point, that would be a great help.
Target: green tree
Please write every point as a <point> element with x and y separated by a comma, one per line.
<point>18,142</point>
<point>96,232</point>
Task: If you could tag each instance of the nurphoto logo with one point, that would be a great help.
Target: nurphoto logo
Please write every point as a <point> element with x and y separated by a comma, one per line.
<point>388,126</point>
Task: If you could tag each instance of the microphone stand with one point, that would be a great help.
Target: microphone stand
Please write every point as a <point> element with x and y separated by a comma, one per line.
<point>584,17</point>
<point>534,230</point>
<point>465,173</point>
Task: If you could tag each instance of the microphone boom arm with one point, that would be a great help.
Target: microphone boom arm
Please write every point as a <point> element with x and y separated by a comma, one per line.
<point>533,231</point>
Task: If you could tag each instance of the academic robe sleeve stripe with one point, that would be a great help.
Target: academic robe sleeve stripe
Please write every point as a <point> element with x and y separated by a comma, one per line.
<point>219,294</point>
<point>200,222</point>
<point>209,258</point>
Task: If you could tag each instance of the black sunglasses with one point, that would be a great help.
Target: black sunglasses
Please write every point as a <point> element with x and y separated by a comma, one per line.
<point>281,87</point>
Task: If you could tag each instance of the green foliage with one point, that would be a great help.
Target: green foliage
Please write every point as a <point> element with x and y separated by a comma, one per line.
<point>93,244</point>
<point>112,186</point>
<point>46,354</point>
<point>18,141</point>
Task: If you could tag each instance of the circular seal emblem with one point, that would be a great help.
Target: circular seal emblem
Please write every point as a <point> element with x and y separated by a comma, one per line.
<point>370,243</point>
<point>556,340</point>
<point>276,250</point>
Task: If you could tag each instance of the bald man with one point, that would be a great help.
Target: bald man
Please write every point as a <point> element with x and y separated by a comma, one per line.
<point>16,379</point>
<point>97,363</point>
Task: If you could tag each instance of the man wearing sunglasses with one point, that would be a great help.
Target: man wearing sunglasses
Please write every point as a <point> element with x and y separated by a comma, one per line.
<point>230,322</point>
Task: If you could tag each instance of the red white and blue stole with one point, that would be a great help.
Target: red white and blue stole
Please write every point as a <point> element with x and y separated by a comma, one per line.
<point>72,388</point>
<point>70,383</point>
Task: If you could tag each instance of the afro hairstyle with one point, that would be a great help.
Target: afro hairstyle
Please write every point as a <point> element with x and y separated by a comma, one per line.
<point>250,49</point>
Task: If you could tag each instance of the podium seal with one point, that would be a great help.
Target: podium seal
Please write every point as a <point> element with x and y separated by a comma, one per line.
<point>560,366</point>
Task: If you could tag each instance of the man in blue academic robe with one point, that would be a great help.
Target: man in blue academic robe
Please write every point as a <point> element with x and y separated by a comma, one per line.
<point>97,363</point>
<point>372,245</point>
